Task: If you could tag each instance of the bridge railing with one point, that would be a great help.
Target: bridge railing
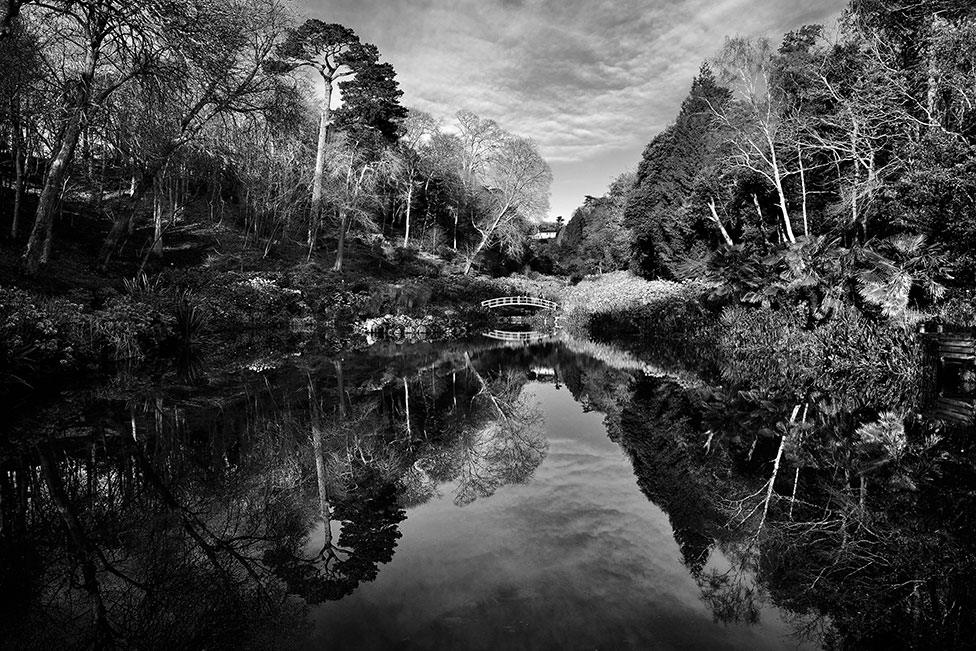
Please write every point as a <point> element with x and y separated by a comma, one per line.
<point>520,301</point>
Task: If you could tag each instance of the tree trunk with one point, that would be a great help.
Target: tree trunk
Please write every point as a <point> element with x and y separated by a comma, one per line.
<point>855,218</point>
<point>124,222</point>
<point>772,480</point>
<point>485,237</point>
<point>341,390</point>
<point>932,69</point>
<point>803,190</point>
<point>762,220</point>
<point>80,99</point>
<point>454,246</point>
<point>318,179</point>
<point>772,484</point>
<point>83,550</point>
<point>51,193</point>
<point>477,250</point>
<point>18,183</point>
<point>341,245</point>
<point>796,480</point>
<point>406,405</point>
<point>157,245</point>
<point>406,232</point>
<point>718,222</point>
<point>317,450</point>
<point>784,211</point>
<point>49,233</point>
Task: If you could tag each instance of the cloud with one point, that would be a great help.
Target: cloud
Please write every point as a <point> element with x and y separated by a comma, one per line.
<point>591,81</point>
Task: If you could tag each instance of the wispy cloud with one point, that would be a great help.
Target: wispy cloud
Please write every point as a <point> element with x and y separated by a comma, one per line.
<point>590,80</point>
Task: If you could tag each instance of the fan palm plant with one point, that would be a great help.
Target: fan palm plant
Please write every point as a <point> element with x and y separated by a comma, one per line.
<point>898,272</point>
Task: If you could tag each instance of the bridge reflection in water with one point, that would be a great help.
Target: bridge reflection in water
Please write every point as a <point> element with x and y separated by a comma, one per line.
<point>516,337</point>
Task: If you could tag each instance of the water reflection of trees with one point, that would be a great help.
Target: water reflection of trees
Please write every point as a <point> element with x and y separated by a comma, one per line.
<point>173,516</point>
<point>152,515</point>
<point>861,529</point>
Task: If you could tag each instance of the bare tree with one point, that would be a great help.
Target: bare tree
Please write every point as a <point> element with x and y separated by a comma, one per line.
<point>198,88</point>
<point>762,131</point>
<point>107,44</point>
<point>418,127</point>
<point>859,136</point>
<point>516,183</point>
<point>24,75</point>
<point>351,189</point>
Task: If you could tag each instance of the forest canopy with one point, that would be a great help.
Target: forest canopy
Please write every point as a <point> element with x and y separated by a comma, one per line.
<point>833,164</point>
<point>148,119</point>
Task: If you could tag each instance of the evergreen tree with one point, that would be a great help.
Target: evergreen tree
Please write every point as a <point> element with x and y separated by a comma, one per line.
<point>371,109</point>
<point>666,177</point>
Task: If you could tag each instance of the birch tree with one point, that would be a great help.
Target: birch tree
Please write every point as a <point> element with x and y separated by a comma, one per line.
<point>478,139</point>
<point>762,132</point>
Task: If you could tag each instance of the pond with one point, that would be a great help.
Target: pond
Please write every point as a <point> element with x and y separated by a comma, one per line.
<point>550,493</point>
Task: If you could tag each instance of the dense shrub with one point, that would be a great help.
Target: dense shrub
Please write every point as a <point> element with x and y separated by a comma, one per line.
<point>849,356</point>
<point>41,336</point>
<point>766,348</point>
<point>958,309</point>
<point>231,301</point>
<point>407,298</point>
<point>874,360</point>
<point>428,327</point>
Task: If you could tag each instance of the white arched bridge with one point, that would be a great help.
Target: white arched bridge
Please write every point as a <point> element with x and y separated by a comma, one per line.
<point>520,301</point>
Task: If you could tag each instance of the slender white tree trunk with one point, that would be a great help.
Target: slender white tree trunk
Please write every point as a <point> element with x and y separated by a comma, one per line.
<point>718,222</point>
<point>18,186</point>
<point>406,403</point>
<point>318,179</point>
<point>157,247</point>
<point>803,190</point>
<point>317,450</point>
<point>341,245</point>
<point>778,182</point>
<point>485,237</point>
<point>406,232</point>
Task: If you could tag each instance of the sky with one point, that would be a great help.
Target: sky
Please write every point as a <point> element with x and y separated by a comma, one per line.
<point>591,81</point>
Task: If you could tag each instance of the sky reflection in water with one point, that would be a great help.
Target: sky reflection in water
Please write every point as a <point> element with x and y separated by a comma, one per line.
<point>577,557</point>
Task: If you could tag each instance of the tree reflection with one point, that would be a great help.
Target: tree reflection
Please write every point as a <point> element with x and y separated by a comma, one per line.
<point>366,505</point>
<point>367,538</point>
<point>732,592</point>
<point>153,516</point>
<point>505,449</point>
